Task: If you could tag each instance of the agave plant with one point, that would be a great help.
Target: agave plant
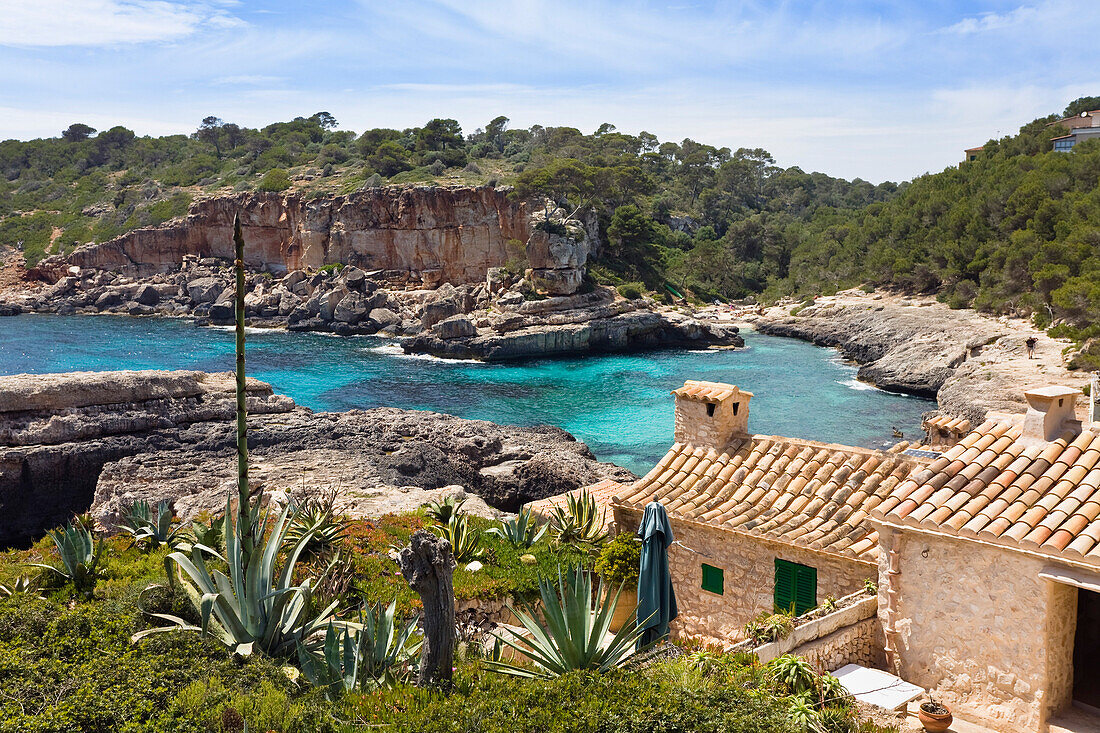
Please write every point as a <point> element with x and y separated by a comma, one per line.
<point>464,539</point>
<point>152,531</point>
<point>521,532</point>
<point>793,673</point>
<point>22,586</point>
<point>211,535</point>
<point>254,607</point>
<point>80,556</point>
<point>317,518</point>
<point>371,655</point>
<point>442,511</point>
<point>580,521</point>
<point>574,635</point>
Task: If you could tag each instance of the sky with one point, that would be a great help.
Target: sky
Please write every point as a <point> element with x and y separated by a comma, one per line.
<point>880,90</point>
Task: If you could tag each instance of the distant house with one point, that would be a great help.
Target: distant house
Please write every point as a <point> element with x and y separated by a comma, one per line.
<point>971,154</point>
<point>1081,127</point>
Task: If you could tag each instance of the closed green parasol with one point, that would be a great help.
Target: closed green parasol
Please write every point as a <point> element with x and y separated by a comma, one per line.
<point>656,598</point>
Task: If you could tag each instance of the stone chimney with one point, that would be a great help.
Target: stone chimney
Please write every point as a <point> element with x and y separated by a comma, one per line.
<point>711,413</point>
<point>1050,413</point>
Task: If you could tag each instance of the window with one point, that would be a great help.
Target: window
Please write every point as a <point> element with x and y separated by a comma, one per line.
<point>710,409</point>
<point>795,586</point>
<point>713,579</point>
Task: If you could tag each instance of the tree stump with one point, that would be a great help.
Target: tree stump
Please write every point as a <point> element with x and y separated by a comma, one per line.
<point>427,564</point>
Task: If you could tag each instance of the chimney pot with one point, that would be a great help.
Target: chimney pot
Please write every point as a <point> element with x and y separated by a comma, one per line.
<point>1050,413</point>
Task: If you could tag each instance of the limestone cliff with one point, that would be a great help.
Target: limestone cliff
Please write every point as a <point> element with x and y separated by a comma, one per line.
<point>446,234</point>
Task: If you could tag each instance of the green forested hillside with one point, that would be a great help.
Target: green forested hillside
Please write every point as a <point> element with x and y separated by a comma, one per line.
<point>1016,230</point>
<point>82,186</point>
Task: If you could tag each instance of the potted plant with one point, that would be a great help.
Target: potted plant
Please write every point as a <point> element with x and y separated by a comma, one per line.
<point>934,716</point>
<point>617,566</point>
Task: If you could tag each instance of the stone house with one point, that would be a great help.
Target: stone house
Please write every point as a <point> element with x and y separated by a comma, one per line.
<point>990,569</point>
<point>762,522</point>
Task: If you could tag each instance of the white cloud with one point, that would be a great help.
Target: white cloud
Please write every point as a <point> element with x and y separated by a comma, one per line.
<point>103,22</point>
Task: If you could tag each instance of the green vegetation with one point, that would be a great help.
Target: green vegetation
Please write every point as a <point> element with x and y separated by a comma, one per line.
<point>67,661</point>
<point>152,532</point>
<point>580,521</point>
<point>619,560</point>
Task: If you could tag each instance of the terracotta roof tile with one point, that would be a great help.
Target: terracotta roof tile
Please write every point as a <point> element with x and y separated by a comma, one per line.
<point>994,487</point>
<point>708,391</point>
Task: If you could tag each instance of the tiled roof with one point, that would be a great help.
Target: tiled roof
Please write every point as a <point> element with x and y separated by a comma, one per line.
<point>707,391</point>
<point>946,422</point>
<point>798,492</point>
<point>995,487</point>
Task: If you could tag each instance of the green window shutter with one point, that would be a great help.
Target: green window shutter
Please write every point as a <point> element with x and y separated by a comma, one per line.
<point>784,585</point>
<point>805,589</point>
<point>795,587</point>
<point>713,579</point>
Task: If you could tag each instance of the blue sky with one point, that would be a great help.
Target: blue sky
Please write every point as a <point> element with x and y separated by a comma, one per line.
<point>879,90</point>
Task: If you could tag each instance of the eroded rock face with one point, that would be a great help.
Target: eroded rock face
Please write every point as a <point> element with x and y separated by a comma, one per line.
<point>70,442</point>
<point>57,431</point>
<point>576,324</point>
<point>452,234</point>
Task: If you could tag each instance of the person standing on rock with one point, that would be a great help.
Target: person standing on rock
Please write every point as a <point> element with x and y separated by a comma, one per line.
<point>1030,344</point>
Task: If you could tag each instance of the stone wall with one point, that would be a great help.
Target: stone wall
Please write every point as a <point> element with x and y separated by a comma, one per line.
<point>975,624</point>
<point>748,565</point>
<point>850,635</point>
<point>860,643</point>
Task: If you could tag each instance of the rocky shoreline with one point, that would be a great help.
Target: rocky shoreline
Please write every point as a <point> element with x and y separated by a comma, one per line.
<point>98,441</point>
<point>971,364</point>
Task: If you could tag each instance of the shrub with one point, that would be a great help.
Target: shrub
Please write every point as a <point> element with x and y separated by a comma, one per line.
<point>619,560</point>
<point>274,180</point>
<point>616,702</point>
<point>631,291</point>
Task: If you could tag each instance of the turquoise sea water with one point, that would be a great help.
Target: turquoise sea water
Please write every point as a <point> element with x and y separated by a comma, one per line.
<point>618,404</point>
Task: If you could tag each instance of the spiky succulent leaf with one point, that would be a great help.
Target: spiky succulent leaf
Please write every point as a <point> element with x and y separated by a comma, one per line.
<point>572,635</point>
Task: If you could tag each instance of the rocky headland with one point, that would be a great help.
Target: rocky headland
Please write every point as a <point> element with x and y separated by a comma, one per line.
<point>462,272</point>
<point>99,441</point>
<point>970,363</point>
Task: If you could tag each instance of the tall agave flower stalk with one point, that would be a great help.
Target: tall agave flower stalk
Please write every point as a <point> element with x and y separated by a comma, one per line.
<point>246,516</point>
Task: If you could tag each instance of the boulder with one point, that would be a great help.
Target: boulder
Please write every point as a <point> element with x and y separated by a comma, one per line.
<point>147,295</point>
<point>438,311</point>
<point>557,282</point>
<point>328,302</point>
<point>223,313</point>
<point>204,289</point>
<point>351,309</point>
<point>384,317</point>
<point>109,299</point>
<point>455,327</point>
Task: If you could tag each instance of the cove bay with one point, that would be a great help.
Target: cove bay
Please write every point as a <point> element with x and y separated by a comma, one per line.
<point>618,404</point>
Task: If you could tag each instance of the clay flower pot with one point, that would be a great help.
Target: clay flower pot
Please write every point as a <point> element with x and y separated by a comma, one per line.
<point>935,718</point>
